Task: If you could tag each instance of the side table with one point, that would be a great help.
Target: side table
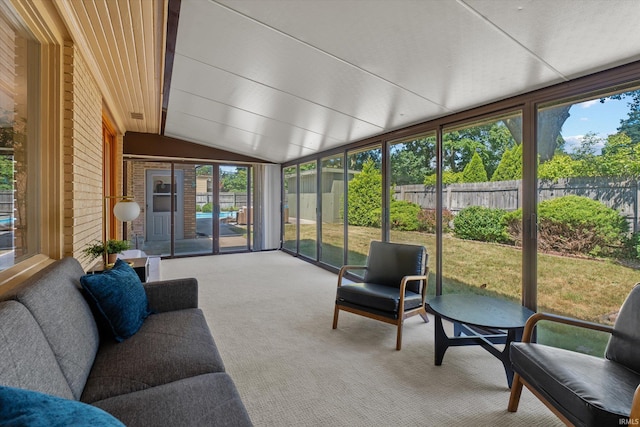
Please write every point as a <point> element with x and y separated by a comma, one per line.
<point>478,320</point>
<point>139,265</point>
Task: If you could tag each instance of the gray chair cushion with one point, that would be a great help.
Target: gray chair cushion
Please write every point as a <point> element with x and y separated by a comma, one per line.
<point>168,347</point>
<point>588,390</point>
<point>625,340</point>
<point>204,400</point>
<point>54,298</point>
<point>26,360</point>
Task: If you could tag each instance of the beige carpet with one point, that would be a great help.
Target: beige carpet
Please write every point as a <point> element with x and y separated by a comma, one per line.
<point>271,316</point>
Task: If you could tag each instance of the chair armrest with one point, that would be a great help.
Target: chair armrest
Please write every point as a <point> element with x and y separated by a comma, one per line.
<point>635,408</point>
<point>345,268</point>
<point>531,322</point>
<point>170,295</point>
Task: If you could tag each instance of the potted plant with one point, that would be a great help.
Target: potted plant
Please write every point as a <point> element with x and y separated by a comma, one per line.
<point>112,247</point>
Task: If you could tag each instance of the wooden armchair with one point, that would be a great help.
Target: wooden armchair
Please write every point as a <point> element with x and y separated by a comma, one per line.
<point>580,389</point>
<point>394,286</point>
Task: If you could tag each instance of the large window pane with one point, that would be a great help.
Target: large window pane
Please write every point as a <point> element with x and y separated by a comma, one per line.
<point>196,213</point>
<point>364,202</point>
<point>236,215</point>
<point>290,208</point>
<point>412,209</point>
<point>482,180</point>
<point>332,249</point>
<point>19,213</point>
<point>589,163</point>
<point>308,206</point>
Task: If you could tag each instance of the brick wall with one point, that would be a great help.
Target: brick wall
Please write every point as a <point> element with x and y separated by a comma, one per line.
<point>82,155</point>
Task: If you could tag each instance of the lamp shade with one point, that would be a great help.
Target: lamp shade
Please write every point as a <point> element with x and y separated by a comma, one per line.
<point>126,210</point>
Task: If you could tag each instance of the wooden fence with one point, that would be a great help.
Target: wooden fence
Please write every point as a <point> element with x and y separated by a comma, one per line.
<point>621,195</point>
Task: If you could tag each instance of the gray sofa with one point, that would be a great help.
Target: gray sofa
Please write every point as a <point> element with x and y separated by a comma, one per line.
<point>168,373</point>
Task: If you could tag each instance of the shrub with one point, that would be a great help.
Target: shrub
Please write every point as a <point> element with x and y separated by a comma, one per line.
<point>475,171</point>
<point>427,220</point>
<point>365,196</point>
<point>575,225</point>
<point>198,208</point>
<point>480,223</point>
<point>403,215</point>
<point>207,207</point>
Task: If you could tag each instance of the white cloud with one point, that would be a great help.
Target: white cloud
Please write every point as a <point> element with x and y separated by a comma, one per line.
<point>573,142</point>
<point>588,104</point>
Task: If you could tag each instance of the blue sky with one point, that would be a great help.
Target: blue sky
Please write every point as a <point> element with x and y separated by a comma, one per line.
<point>593,116</point>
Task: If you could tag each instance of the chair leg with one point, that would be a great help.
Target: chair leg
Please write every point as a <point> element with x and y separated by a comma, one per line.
<point>516,391</point>
<point>424,317</point>
<point>399,338</point>
<point>335,317</point>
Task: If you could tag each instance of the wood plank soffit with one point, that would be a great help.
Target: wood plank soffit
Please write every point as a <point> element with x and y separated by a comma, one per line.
<point>153,145</point>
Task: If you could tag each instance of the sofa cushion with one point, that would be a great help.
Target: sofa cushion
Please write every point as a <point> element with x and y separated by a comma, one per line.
<point>588,390</point>
<point>168,347</point>
<point>204,400</point>
<point>26,360</point>
<point>54,298</point>
<point>119,297</point>
<point>20,407</point>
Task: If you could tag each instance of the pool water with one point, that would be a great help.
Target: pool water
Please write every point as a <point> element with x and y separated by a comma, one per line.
<point>223,214</point>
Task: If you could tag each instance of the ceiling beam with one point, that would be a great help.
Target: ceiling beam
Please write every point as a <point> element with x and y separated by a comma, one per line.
<point>158,146</point>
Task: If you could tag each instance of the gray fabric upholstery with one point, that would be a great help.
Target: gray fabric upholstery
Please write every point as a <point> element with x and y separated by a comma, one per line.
<point>168,347</point>
<point>625,340</point>
<point>206,400</point>
<point>170,295</point>
<point>26,360</point>
<point>54,299</point>
<point>168,373</point>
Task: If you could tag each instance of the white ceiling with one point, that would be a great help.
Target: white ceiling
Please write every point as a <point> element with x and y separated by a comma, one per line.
<point>281,79</point>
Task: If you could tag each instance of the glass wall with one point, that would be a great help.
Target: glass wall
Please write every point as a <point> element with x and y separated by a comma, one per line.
<point>589,163</point>
<point>19,154</point>
<point>235,215</point>
<point>543,211</point>
<point>412,197</point>
<point>290,208</point>
<point>364,202</point>
<point>332,227</point>
<point>308,207</point>
<point>482,180</point>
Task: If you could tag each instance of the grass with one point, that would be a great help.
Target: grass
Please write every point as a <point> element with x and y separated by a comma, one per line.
<point>589,289</point>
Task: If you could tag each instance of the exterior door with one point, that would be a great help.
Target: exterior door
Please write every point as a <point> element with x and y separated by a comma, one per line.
<point>159,197</point>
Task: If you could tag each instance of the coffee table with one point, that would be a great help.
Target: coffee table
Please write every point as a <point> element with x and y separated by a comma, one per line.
<point>478,320</point>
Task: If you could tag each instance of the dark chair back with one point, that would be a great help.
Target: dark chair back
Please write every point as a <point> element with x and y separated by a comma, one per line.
<point>388,263</point>
<point>625,340</point>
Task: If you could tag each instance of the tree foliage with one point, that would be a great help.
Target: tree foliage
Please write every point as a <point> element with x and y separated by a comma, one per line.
<point>474,171</point>
<point>510,166</point>
<point>365,196</point>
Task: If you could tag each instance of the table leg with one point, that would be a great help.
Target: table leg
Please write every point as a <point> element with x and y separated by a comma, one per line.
<point>441,341</point>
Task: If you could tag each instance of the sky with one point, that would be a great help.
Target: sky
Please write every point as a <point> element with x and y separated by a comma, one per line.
<point>593,116</point>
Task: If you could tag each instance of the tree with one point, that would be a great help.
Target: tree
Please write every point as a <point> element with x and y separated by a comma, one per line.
<point>510,166</point>
<point>411,161</point>
<point>234,181</point>
<point>365,196</point>
<point>474,171</point>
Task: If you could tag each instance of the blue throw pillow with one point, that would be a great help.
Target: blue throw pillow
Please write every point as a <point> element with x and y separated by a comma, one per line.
<point>20,407</point>
<point>119,297</point>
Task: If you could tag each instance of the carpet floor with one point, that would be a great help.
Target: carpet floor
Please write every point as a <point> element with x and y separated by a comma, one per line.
<point>271,315</point>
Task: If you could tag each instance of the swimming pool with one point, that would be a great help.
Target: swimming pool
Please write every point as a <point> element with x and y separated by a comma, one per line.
<point>223,214</point>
